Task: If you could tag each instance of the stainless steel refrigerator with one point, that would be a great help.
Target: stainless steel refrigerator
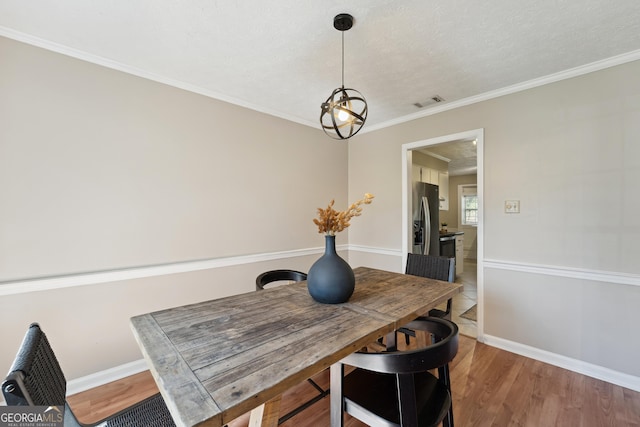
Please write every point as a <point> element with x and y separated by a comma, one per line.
<point>426,225</point>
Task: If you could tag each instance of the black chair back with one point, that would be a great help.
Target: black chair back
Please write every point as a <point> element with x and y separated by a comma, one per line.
<point>278,276</point>
<point>444,347</point>
<point>395,388</point>
<point>432,267</point>
<point>35,378</point>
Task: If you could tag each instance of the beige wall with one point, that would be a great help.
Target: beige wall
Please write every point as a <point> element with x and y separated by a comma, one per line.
<point>102,170</point>
<point>125,172</point>
<point>569,152</point>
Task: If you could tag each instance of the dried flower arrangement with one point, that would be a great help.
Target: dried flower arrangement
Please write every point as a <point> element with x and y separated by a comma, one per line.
<point>330,221</point>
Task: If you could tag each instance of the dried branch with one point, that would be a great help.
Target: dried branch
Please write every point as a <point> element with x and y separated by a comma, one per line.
<point>330,221</point>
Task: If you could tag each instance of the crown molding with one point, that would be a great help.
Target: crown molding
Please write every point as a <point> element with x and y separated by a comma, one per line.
<point>118,66</point>
<point>519,87</point>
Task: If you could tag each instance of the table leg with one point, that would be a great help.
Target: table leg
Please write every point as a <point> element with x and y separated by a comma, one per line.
<point>390,341</point>
<point>423,339</point>
<point>336,376</point>
<point>266,415</point>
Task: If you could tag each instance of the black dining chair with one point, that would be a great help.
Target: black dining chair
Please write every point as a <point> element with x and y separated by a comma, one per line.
<point>290,276</point>
<point>36,379</point>
<point>433,267</point>
<point>279,276</point>
<point>395,388</point>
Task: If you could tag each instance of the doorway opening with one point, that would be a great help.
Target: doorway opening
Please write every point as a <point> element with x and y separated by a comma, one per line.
<point>456,160</point>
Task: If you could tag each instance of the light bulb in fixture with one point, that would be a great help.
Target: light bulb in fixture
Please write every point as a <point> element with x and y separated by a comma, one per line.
<point>342,113</point>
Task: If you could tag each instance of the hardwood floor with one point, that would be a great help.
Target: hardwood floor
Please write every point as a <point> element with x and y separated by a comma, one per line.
<point>96,404</point>
<point>491,387</point>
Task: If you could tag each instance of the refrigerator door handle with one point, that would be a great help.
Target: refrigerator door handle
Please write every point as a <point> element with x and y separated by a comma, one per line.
<point>427,225</point>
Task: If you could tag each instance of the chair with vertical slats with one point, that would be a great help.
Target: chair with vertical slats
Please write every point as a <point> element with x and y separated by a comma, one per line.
<point>36,379</point>
<point>433,267</point>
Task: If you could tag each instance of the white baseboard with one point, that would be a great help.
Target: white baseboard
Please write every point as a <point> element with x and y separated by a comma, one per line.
<point>104,377</point>
<point>594,371</point>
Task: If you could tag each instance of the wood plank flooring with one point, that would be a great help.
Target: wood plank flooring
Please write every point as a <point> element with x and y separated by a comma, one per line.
<point>491,387</point>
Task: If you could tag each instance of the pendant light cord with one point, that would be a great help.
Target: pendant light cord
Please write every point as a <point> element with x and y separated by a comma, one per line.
<point>342,58</point>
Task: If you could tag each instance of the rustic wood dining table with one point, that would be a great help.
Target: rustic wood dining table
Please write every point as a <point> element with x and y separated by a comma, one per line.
<point>216,360</point>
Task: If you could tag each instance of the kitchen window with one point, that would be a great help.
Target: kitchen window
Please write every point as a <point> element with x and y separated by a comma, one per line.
<point>469,205</point>
<point>469,210</point>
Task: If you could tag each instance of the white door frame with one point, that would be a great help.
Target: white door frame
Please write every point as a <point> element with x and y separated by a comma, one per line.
<point>407,219</point>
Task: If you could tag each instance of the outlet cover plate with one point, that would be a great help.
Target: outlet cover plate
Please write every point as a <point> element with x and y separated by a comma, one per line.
<point>512,206</point>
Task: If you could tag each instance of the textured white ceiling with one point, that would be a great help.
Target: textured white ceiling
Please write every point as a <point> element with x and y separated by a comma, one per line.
<point>283,57</point>
<point>461,156</point>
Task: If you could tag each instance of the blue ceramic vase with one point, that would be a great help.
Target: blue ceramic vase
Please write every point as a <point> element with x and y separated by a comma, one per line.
<point>330,279</point>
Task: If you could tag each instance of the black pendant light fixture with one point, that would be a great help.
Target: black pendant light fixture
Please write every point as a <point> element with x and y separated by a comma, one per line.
<point>345,111</point>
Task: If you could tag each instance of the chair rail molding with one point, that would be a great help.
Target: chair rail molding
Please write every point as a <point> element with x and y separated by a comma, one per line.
<point>96,277</point>
<point>570,272</point>
<point>374,250</point>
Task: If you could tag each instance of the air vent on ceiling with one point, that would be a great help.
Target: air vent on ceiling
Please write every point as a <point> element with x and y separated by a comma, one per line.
<point>433,100</point>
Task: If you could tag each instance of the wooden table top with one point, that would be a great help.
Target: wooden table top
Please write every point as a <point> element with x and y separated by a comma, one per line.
<point>216,360</point>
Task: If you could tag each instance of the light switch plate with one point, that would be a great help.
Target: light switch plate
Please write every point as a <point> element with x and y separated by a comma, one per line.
<point>512,206</point>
